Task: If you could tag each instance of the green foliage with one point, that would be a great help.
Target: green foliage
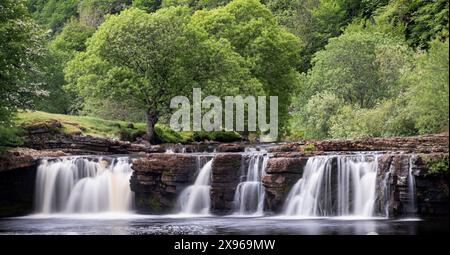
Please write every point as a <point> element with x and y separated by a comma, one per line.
<point>147,5</point>
<point>10,137</point>
<point>122,130</point>
<point>437,166</point>
<point>93,12</point>
<point>361,68</point>
<point>113,110</point>
<point>166,135</point>
<point>316,21</point>
<point>156,65</point>
<point>422,21</point>
<point>309,148</point>
<point>314,119</point>
<point>369,67</point>
<point>77,124</point>
<point>221,136</point>
<point>106,64</point>
<point>254,34</point>
<point>352,89</point>
<point>386,119</point>
<point>428,96</point>
<point>70,40</point>
<point>20,55</point>
<point>53,14</point>
<point>195,4</point>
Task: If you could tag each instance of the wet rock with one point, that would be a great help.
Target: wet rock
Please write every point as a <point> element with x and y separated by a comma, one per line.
<point>393,195</point>
<point>231,147</point>
<point>225,175</point>
<point>277,187</point>
<point>281,174</point>
<point>159,178</point>
<point>17,179</point>
<point>286,165</point>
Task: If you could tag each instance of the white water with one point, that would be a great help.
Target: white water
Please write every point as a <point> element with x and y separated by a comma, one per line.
<point>320,192</point>
<point>411,187</point>
<point>81,185</point>
<point>387,190</point>
<point>195,199</point>
<point>249,196</point>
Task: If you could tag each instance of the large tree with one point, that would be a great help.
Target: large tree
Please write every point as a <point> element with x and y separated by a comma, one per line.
<point>360,67</point>
<point>61,49</point>
<point>150,58</point>
<point>19,54</point>
<point>270,50</point>
<point>428,96</point>
<point>52,14</point>
<point>314,22</point>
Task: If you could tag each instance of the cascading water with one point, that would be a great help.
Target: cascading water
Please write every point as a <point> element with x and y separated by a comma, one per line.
<point>195,199</point>
<point>334,186</point>
<point>387,190</point>
<point>82,185</point>
<point>411,187</point>
<point>249,196</point>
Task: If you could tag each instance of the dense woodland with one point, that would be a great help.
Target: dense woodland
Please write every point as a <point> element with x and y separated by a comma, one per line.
<point>341,68</point>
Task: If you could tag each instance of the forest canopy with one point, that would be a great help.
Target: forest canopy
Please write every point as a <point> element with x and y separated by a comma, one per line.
<point>341,68</point>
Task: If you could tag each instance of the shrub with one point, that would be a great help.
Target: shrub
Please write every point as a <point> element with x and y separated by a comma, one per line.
<point>437,166</point>
<point>10,137</point>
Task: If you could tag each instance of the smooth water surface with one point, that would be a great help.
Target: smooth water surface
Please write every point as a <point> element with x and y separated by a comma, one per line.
<point>128,224</point>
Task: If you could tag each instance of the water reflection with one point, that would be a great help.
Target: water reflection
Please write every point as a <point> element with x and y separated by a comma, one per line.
<point>159,225</point>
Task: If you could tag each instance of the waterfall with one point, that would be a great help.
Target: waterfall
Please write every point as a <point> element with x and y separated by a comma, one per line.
<point>249,195</point>
<point>387,190</point>
<point>82,185</point>
<point>411,187</point>
<point>334,186</point>
<point>195,199</point>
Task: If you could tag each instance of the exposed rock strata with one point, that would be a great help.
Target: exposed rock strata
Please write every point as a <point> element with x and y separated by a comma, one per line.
<point>158,180</point>
<point>225,173</point>
<point>392,185</point>
<point>418,144</point>
<point>281,174</point>
<point>17,179</point>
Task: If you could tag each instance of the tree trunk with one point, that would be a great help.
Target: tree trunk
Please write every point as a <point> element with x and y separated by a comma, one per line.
<point>151,117</point>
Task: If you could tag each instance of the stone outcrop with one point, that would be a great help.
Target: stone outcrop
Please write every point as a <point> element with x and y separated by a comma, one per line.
<point>17,179</point>
<point>225,173</point>
<point>281,174</point>
<point>90,145</point>
<point>76,144</point>
<point>431,188</point>
<point>231,147</point>
<point>158,180</point>
<point>393,197</point>
<point>418,144</point>
<point>20,158</point>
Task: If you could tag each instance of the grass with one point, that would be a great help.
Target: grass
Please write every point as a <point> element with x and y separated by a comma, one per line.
<point>78,124</point>
<point>122,130</point>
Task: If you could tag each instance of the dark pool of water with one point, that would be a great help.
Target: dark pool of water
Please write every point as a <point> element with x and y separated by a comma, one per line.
<point>170,225</point>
